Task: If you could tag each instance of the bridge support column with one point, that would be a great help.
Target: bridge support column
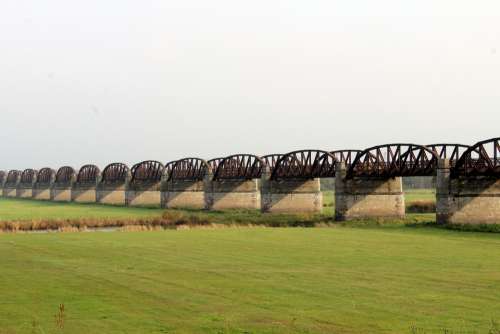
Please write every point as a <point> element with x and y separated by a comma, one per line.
<point>24,191</point>
<point>42,191</point>
<point>147,195</point>
<point>84,193</point>
<point>9,191</point>
<point>183,194</point>
<point>61,192</point>
<point>232,194</point>
<point>466,199</point>
<point>367,197</point>
<point>291,196</point>
<point>10,188</point>
<point>112,194</point>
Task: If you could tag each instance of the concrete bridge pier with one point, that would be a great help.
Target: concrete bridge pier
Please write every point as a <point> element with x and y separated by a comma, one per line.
<point>84,192</point>
<point>42,190</point>
<point>466,199</point>
<point>290,195</point>
<point>146,194</point>
<point>26,190</point>
<point>61,191</point>
<point>10,187</point>
<point>367,197</point>
<point>112,194</point>
<point>187,194</point>
<point>231,193</point>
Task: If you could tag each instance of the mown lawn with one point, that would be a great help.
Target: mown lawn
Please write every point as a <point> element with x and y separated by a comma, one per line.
<point>251,280</point>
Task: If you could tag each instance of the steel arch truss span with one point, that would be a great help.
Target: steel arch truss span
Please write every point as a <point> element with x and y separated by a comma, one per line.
<point>394,160</point>
<point>116,172</point>
<point>214,164</point>
<point>305,164</point>
<point>481,159</point>
<point>12,177</point>
<point>271,159</point>
<point>452,152</point>
<point>239,167</point>
<point>149,171</point>
<point>188,169</point>
<point>346,156</point>
<point>45,175</point>
<point>28,176</point>
<point>88,174</point>
<point>65,174</point>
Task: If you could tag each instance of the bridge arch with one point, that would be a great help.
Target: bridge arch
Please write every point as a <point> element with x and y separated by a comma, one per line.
<point>65,174</point>
<point>452,152</point>
<point>481,159</point>
<point>393,160</point>
<point>45,176</point>
<point>28,176</point>
<point>12,177</point>
<point>149,171</point>
<point>304,164</point>
<point>187,169</point>
<point>239,167</point>
<point>271,159</point>
<point>345,156</point>
<point>88,174</point>
<point>114,173</point>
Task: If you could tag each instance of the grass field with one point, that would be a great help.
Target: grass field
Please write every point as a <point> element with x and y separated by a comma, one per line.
<point>251,280</point>
<point>22,209</point>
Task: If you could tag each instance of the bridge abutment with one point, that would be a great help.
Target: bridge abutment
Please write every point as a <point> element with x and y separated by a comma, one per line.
<point>466,199</point>
<point>367,197</point>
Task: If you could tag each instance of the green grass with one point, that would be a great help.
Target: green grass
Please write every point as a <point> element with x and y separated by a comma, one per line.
<point>414,195</point>
<point>25,209</point>
<point>251,280</point>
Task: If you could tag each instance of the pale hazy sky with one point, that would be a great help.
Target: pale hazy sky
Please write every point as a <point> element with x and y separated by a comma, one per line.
<point>120,80</point>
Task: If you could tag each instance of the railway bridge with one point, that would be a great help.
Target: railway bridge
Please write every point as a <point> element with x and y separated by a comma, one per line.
<point>368,183</point>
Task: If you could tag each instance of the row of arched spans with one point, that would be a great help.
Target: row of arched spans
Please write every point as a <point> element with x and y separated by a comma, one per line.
<point>391,160</point>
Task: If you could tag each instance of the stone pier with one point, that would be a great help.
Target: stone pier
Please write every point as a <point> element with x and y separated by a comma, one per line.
<point>144,194</point>
<point>367,197</point>
<point>291,195</point>
<point>232,194</point>
<point>25,190</point>
<point>111,193</point>
<point>10,186</point>
<point>84,192</point>
<point>183,194</point>
<point>43,185</point>
<point>466,199</point>
<point>61,191</point>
